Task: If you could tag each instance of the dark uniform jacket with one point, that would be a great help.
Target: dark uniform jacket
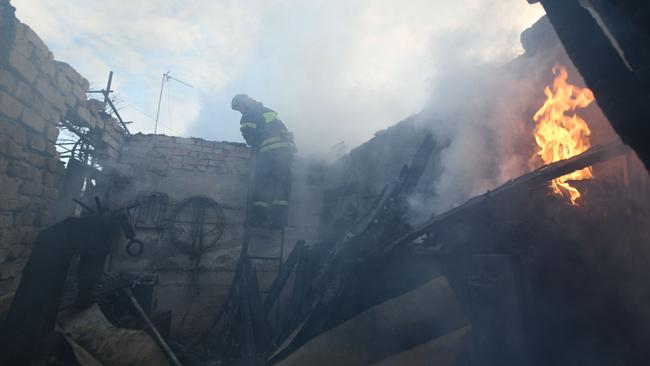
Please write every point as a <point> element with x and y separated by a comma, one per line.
<point>263,131</point>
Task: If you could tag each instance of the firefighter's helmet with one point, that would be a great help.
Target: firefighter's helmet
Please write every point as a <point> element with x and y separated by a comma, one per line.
<point>239,101</point>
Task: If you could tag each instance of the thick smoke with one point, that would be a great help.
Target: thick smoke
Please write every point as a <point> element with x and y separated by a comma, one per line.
<point>355,68</point>
<point>481,108</point>
<point>335,70</point>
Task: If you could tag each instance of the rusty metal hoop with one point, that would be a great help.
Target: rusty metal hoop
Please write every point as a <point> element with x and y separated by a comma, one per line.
<point>197,224</point>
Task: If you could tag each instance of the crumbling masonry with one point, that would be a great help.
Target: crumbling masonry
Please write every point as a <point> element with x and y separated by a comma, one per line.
<point>39,96</point>
<point>36,92</point>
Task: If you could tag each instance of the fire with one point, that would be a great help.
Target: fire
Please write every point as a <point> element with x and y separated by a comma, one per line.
<point>560,133</point>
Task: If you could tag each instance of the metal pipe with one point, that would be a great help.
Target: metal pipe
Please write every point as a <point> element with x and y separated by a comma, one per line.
<point>162,84</point>
<point>159,339</point>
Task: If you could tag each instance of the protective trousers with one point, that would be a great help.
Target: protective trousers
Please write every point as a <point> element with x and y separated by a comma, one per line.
<point>272,187</point>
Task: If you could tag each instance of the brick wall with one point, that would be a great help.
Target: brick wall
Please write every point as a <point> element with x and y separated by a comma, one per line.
<point>36,92</point>
<point>182,168</point>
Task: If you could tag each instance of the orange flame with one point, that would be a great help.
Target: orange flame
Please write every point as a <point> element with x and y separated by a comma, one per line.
<point>560,133</point>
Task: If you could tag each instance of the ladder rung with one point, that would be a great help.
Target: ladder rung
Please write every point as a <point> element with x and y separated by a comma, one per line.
<point>265,258</point>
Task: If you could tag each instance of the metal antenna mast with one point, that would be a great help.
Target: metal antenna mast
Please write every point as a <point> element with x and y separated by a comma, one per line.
<point>165,77</point>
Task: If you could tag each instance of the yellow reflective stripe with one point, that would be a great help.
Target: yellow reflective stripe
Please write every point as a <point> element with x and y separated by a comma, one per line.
<point>260,203</point>
<point>274,146</point>
<point>271,140</point>
<point>270,116</point>
<point>281,203</point>
<point>248,125</point>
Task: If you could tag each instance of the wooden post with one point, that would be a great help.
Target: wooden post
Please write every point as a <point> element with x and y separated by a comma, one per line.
<point>159,339</point>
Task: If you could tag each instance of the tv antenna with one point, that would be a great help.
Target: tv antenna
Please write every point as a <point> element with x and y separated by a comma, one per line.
<point>165,78</point>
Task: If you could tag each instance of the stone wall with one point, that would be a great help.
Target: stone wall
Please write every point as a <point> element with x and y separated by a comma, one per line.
<point>179,169</point>
<point>39,94</point>
<point>36,93</point>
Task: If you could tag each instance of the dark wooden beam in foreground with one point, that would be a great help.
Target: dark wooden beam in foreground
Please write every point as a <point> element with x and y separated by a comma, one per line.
<point>620,94</point>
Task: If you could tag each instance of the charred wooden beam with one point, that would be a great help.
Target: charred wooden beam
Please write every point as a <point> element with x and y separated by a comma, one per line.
<point>386,220</point>
<point>593,156</point>
<point>619,93</point>
<point>255,342</point>
<point>370,278</point>
<point>633,37</point>
<point>336,292</point>
<point>285,271</point>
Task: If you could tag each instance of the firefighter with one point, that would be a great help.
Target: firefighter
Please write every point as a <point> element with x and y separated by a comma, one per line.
<point>274,149</point>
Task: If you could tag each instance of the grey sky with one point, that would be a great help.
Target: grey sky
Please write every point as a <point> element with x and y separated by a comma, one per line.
<point>335,70</point>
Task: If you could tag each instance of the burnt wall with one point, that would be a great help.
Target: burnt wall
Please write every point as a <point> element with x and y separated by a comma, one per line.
<point>355,181</point>
<point>36,93</point>
<point>39,95</point>
<point>171,178</point>
<point>162,174</point>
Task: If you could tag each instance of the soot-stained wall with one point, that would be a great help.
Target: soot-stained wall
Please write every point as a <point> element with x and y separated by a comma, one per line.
<point>37,93</point>
<point>169,177</point>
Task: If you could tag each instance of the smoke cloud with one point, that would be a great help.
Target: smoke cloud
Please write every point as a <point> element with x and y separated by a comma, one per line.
<point>335,70</point>
<point>343,70</point>
<point>481,107</point>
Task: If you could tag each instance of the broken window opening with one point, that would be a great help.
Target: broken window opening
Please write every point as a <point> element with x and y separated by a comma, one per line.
<point>76,143</point>
<point>77,150</point>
